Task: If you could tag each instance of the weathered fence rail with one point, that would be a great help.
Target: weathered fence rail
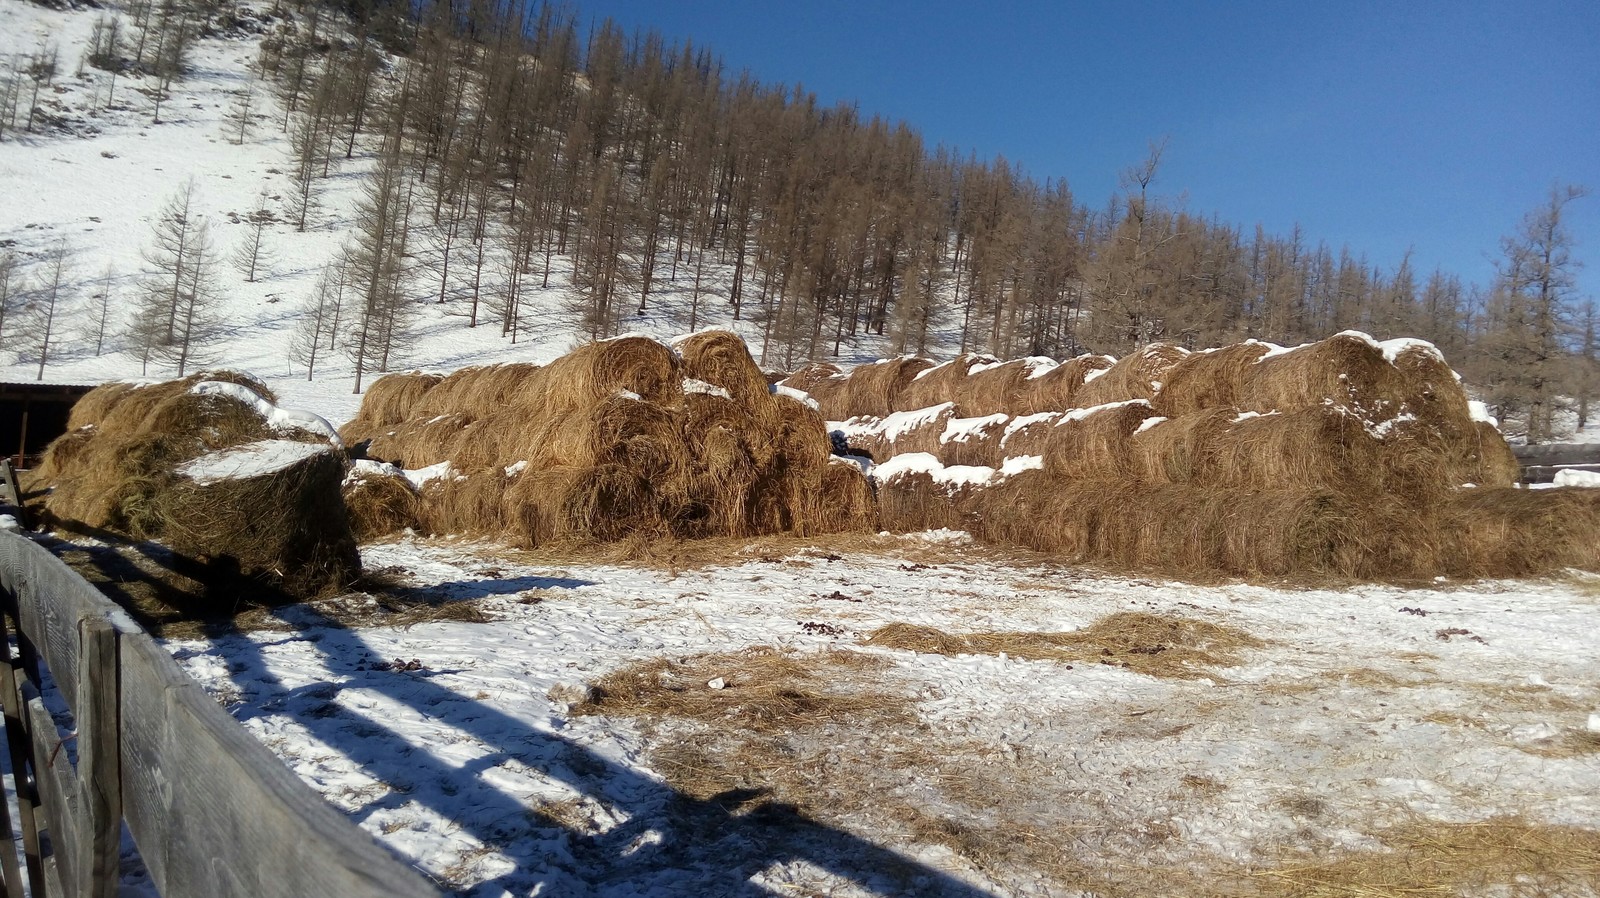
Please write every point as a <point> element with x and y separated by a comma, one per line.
<point>212,811</point>
<point>1541,463</point>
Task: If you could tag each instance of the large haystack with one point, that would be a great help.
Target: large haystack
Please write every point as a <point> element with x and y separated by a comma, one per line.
<point>625,438</point>
<point>1347,370</point>
<point>210,465</point>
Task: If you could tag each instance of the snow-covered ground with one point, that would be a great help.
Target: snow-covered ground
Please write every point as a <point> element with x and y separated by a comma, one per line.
<point>1363,709</point>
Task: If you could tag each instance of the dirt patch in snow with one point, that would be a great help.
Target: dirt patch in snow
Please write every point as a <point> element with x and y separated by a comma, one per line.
<point>1153,644</point>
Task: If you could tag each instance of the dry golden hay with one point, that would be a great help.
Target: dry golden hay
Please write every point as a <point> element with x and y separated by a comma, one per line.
<point>845,503</point>
<point>877,388</point>
<point>594,372</point>
<point>1056,390</point>
<point>388,403</point>
<point>1433,391</point>
<point>1195,531</point>
<point>618,430</point>
<point>799,436</point>
<point>718,433</point>
<point>1518,532</point>
<point>91,408</point>
<point>762,689</point>
<point>1153,644</point>
<point>123,475</point>
<point>1139,375</point>
<point>1346,370</point>
<point>1210,379</point>
<point>480,391</point>
<point>607,503</point>
<point>286,529</point>
<point>1495,465</point>
<point>467,503</point>
<point>379,500</point>
<point>998,389</point>
<point>973,441</point>
<point>1092,444</point>
<point>881,439</point>
<point>825,384</point>
<point>1320,448</point>
<point>418,443</point>
<point>934,384</point>
<point>722,359</point>
<point>1497,856</point>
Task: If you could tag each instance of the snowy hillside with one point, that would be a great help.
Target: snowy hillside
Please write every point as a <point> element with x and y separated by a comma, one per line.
<point>97,178</point>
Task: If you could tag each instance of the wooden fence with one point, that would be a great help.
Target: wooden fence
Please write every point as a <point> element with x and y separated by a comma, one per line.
<point>211,810</point>
<point>1541,463</point>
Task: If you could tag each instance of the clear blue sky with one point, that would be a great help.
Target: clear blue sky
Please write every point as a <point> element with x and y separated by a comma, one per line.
<point>1381,125</point>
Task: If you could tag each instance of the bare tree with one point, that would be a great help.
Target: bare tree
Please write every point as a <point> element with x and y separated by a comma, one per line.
<point>252,254</point>
<point>43,310</point>
<point>319,319</point>
<point>377,270</point>
<point>177,312</point>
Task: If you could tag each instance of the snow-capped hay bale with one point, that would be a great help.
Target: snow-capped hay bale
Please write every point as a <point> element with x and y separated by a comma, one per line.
<point>917,492</point>
<point>379,500</point>
<point>388,403</point>
<point>1057,389</point>
<point>1520,533</point>
<point>1433,391</point>
<point>883,438</point>
<point>1347,370</point>
<point>940,383</point>
<point>876,388</point>
<point>998,389</point>
<point>1138,375</point>
<point>270,512</point>
<point>722,359</point>
<point>825,384</point>
<point>1209,379</point>
<point>1094,444</point>
<point>1319,448</point>
<point>973,441</point>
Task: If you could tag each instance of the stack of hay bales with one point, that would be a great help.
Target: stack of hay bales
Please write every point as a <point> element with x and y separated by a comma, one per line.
<point>211,466</point>
<point>619,438</point>
<point>1345,456</point>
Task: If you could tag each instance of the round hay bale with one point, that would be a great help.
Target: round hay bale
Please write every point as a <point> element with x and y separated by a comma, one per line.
<point>1209,379</point>
<point>722,359</point>
<point>388,402</point>
<point>379,500</point>
<point>266,513</point>
<point>876,388</point>
<point>825,384</point>
<point>973,441</point>
<point>843,503</point>
<point>1139,375</point>
<point>92,407</point>
<point>1347,370</point>
<point>1520,533</point>
<point>594,372</point>
<point>934,384</point>
<point>464,502</point>
<point>999,389</point>
<point>799,436</point>
<point>419,443</point>
<point>1055,390</point>
<point>1179,450</point>
<point>719,434</point>
<point>1095,444</point>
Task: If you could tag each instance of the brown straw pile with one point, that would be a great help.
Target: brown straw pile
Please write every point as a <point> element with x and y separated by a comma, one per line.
<point>120,470</point>
<point>622,438</point>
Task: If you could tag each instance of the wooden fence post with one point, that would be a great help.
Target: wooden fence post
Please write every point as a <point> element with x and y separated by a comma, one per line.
<point>99,760</point>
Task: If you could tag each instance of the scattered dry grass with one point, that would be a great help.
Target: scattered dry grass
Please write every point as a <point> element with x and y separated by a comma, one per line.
<point>1502,855</point>
<point>1152,644</point>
